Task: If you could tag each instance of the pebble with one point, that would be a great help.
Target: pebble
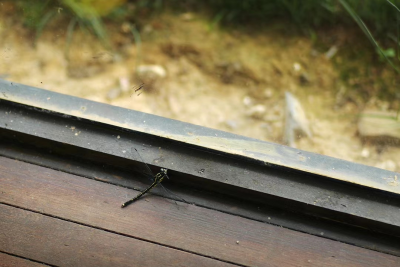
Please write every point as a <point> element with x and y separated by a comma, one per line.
<point>296,66</point>
<point>296,120</point>
<point>151,71</point>
<point>247,101</point>
<point>365,153</point>
<point>331,52</point>
<point>257,111</point>
<point>114,93</point>
<point>268,93</point>
<point>231,124</point>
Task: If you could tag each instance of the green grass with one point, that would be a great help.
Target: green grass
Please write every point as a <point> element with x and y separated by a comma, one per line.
<point>379,13</point>
<point>40,14</point>
<point>379,20</point>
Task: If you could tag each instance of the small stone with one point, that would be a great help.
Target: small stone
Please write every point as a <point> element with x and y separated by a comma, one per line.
<point>151,71</point>
<point>124,84</point>
<point>296,121</point>
<point>231,124</point>
<point>365,153</point>
<point>126,27</point>
<point>187,16</point>
<point>314,53</point>
<point>147,29</point>
<point>257,111</point>
<point>268,93</point>
<point>247,101</point>
<point>296,66</point>
<point>113,93</point>
<point>331,52</point>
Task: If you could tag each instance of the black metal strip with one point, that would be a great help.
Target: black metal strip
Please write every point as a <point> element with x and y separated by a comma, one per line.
<point>231,144</point>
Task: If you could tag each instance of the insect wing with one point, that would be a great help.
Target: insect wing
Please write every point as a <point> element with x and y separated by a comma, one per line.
<point>151,178</point>
<point>139,90</point>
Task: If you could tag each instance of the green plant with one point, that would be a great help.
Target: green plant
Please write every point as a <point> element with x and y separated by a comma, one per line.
<point>85,13</point>
<point>382,53</point>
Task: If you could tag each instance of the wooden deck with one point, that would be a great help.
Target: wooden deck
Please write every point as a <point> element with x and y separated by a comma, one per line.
<point>48,217</point>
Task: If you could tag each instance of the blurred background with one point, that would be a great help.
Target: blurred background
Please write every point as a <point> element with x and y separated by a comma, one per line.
<point>319,75</point>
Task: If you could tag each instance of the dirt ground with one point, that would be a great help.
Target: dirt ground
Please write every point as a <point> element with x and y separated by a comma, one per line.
<point>225,79</point>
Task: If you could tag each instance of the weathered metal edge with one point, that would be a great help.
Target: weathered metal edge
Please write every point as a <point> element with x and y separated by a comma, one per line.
<point>264,152</point>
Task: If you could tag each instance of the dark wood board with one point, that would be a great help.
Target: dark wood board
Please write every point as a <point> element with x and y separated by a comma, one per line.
<point>62,243</point>
<point>12,261</point>
<point>176,225</point>
<point>260,212</point>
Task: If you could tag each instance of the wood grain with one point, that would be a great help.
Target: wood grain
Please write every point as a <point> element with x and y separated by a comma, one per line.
<point>12,261</point>
<point>379,124</point>
<point>62,243</point>
<point>187,227</point>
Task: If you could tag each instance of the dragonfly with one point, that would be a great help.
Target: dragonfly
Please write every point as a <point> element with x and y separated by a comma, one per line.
<point>138,90</point>
<point>158,178</point>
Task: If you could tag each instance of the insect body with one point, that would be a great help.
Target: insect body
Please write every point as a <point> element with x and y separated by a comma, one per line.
<point>138,89</point>
<point>158,178</point>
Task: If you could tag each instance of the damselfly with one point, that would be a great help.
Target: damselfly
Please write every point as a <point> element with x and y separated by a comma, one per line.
<point>158,178</point>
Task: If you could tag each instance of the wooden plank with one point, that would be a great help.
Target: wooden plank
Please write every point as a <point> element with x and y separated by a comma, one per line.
<point>190,228</point>
<point>379,126</point>
<point>58,242</point>
<point>12,261</point>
